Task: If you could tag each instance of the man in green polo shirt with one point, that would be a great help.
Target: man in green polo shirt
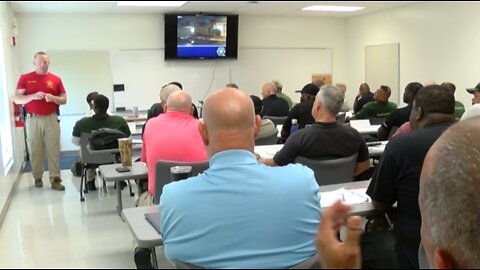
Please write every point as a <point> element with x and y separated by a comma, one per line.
<point>99,120</point>
<point>381,107</point>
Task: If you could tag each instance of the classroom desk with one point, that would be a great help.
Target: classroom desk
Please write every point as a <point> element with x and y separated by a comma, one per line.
<point>148,237</point>
<point>376,149</point>
<point>361,209</point>
<point>144,233</point>
<point>368,130</point>
<point>268,151</point>
<point>138,170</point>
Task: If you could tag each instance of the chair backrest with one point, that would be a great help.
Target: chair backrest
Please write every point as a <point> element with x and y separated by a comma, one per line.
<point>331,171</point>
<point>97,158</point>
<point>341,118</point>
<point>267,140</point>
<point>277,120</point>
<point>163,176</point>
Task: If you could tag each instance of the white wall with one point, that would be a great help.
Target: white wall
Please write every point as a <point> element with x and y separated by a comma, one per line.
<point>105,32</point>
<point>7,182</point>
<point>438,41</point>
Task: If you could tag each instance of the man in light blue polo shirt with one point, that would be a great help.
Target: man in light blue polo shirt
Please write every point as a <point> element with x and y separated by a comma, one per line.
<point>239,213</point>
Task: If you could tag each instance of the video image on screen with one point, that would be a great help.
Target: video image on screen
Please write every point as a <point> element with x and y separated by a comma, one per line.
<point>201,36</point>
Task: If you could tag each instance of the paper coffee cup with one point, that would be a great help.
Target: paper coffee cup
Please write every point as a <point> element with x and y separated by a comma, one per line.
<point>125,148</point>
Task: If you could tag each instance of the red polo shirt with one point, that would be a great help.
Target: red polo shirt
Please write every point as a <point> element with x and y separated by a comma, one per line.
<point>48,83</point>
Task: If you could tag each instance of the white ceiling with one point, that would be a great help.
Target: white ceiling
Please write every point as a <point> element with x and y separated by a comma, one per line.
<point>288,8</point>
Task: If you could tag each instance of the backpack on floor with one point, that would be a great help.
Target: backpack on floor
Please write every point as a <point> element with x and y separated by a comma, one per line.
<point>76,168</point>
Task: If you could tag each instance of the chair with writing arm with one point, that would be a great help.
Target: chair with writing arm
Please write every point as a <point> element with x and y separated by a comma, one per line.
<point>267,140</point>
<point>90,161</point>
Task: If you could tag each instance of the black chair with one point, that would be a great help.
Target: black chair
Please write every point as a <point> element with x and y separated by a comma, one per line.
<point>267,140</point>
<point>331,171</point>
<point>92,161</point>
<point>277,120</point>
<point>341,118</point>
<point>163,176</point>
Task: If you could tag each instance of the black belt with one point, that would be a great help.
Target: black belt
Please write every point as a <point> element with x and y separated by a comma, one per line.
<point>35,114</point>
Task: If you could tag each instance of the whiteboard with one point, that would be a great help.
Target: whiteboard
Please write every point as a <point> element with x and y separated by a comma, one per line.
<point>382,67</point>
<point>81,72</point>
<point>144,72</point>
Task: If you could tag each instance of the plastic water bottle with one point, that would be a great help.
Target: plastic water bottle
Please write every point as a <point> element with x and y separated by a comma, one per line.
<point>294,126</point>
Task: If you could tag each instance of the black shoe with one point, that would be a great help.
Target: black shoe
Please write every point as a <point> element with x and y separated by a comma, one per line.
<point>91,185</point>
<point>123,184</point>
<point>142,259</point>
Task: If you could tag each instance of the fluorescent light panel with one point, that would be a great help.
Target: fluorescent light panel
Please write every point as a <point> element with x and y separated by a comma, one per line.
<point>151,3</point>
<point>332,8</point>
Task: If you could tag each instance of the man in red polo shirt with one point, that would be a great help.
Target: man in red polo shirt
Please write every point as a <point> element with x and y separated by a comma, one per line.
<point>41,92</point>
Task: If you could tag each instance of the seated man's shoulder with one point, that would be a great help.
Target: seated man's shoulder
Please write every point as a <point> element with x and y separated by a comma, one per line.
<point>293,171</point>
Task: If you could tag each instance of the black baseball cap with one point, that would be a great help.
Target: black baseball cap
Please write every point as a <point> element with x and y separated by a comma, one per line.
<point>471,90</point>
<point>310,88</point>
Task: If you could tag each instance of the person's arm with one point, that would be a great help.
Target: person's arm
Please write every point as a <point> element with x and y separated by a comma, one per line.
<point>382,133</point>
<point>361,167</point>
<point>382,188</point>
<point>20,98</point>
<point>331,252</point>
<point>76,140</point>
<point>59,100</point>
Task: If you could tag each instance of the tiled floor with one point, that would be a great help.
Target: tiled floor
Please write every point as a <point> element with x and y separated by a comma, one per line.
<point>45,228</point>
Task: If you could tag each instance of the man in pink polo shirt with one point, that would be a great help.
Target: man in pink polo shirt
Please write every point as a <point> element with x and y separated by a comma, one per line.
<point>171,136</point>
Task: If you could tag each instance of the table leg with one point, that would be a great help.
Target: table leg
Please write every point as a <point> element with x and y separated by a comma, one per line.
<point>119,199</point>
<point>154,258</point>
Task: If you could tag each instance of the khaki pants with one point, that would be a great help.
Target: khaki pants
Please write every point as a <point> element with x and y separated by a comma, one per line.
<point>43,138</point>
<point>145,199</point>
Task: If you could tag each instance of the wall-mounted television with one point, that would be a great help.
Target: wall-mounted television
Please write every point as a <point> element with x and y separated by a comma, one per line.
<point>201,36</point>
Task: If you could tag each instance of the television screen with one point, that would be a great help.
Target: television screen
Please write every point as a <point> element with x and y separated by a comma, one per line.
<point>201,36</point>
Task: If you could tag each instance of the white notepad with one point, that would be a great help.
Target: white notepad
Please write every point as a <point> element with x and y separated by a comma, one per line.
<point>347,196</point>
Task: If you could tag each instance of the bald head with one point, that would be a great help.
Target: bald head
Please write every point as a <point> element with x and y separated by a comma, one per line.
<point>229,121</point>
<point>450,198</point>
<point>268,89</point>
<point>228,108</point>
<point>179,101</point>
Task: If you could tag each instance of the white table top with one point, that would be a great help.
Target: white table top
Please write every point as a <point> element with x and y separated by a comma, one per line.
<point>268,151</point>
<point>138,170</point>
<point>145,234</point>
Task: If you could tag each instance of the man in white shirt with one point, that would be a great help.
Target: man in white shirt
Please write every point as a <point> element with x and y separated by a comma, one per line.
<point>474,110</point>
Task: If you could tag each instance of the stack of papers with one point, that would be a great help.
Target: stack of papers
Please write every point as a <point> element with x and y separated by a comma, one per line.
<point>347,196</point>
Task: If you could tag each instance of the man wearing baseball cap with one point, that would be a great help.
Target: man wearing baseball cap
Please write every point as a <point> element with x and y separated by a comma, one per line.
<point>302,111</point>
<point>474,110</point>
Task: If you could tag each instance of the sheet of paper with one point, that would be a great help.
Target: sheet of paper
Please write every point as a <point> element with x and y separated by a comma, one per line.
<point>347,196</point>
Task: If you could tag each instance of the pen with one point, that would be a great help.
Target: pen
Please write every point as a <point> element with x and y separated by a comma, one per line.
<point>343,198</point>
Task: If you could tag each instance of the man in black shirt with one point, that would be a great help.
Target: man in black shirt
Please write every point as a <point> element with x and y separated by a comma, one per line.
<point>396,177</point>
<point>401,115</point>
<point>273,105</point>
<point>302,111</point>
<point>364,96</point>
<point>325,139</point>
